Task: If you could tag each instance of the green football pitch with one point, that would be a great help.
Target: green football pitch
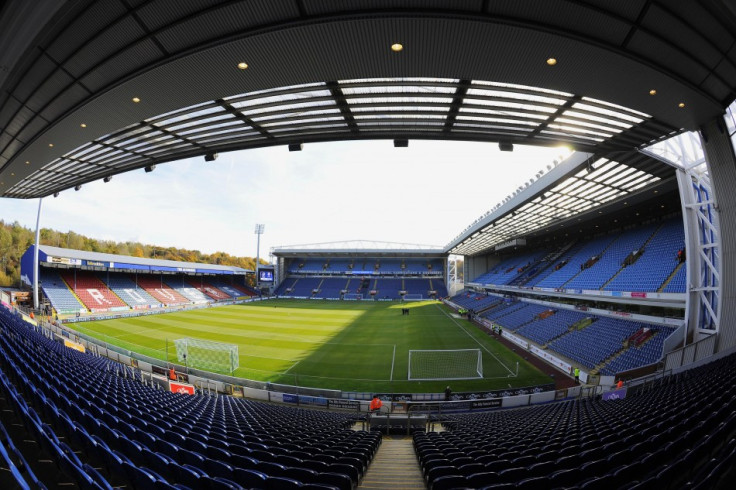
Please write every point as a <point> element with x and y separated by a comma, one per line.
<point>350,346</point>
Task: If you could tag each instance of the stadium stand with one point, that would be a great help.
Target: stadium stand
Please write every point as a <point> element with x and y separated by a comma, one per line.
<point>209,289</point>
<point>510,268</point>
<point>304,286</point>
<point>127,290</point>
<point>417,286</point>
<point>476,301</point>
<point>235,291</point>
<point>74,404</point>
<point>545,329</point>
<point>581,255</point>
<point>678,433</point>
<point>95,295</point>
<point>388,288</point>
<point>657,261</point>
<point>611,259</point>
<point>61,297</point>
<point>649,352</point>
<point>180,285</point>
<point>596,342</point>
<point>331,287</point>
<point>159,290</point>
<point>678,281</point>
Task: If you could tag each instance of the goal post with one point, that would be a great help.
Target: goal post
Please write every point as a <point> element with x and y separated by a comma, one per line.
<point>353,296</point>
<point>413,297</point>
<point>445,365</point>
<point>207,355</point>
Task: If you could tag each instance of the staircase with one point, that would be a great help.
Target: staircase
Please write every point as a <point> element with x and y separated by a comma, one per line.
<point>395,466</point>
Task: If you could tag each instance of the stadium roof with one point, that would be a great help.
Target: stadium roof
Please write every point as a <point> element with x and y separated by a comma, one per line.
<point>581,184</point>
<point>365,248</point>
<point>90,89</point>
<point>153,264</point>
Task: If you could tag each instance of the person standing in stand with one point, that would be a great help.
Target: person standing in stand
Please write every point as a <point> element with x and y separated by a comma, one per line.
<point>448,393</point>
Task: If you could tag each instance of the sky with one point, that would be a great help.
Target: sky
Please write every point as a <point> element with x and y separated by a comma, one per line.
<point>359,190</point>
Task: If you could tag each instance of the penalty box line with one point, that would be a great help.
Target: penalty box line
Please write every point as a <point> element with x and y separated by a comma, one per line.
<point>511,373</point>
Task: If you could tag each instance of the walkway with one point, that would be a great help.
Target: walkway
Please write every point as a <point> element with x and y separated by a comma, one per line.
<point>395,466</point>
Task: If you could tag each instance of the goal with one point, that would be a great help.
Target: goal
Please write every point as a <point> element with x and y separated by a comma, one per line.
<point>413,297</point>
<point>352,296</point>
<point>427,365</point>
<point>207,355</point>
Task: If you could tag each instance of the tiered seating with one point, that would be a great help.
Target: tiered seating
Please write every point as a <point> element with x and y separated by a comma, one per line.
<point>60,296</point>
<point>415,266</point>
<point>390,265</point>
<point>388,288</point>
<point>144,438</point>
<point>312,266</point>
<point>331,287</point>
<point>680,431</point>
<point>283,288</point>
<point>582,254</point>
<point>126,289</point>
<point>95,295</point>
<point>161,291</point>
<point>513,319</point>
<point>678,282</point>
<point>210,290</point>
<point>193,294</point>
<point>476,301</point>
<point>508,269</point>
<point>656,263</point>
<point>417,286</point>
<point>338,265</point>
<point>496,313</point>
<point>305,286</point>
<point>230,289</point>
<point>596,342</point>
<point>544,330</point>
<point>633,357</point>
<point>612,259</point>
<point>438,285</point>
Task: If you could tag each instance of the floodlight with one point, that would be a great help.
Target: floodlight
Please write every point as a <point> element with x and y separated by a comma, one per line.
<point>295,147</point>
<point>210,157</point>
<point>401,143</point>
<point>505,146</point>
<point>107,179</point>
<point>79,186</point>
<point>149,168</point>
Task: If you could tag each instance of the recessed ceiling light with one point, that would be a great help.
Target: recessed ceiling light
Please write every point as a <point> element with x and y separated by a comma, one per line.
<point>396,47</point>
<point>12,174</point>
<point>656,191</point>
<point>551,61</point>
<point>136,99</point>
<point>681,105</point>
<point>243,65</point>
<point>82,125</point>
<point>28,162</point>
<point>652,92</point>
<point>51,145</point>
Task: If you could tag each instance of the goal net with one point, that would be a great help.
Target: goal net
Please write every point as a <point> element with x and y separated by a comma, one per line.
<point>353,296</point>
<point>426,365</point>
<point>413,297</point>
<point>207,355</point>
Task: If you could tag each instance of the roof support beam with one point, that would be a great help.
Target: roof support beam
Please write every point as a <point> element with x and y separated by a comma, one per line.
<point>343,105</point>
<point>457,102</point>
<point>242,117</point>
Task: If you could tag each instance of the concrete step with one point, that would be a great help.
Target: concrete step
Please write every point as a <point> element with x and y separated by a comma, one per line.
<point>395,466</point>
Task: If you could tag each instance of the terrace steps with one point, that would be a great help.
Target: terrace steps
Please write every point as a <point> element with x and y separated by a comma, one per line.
<point>395,466</point>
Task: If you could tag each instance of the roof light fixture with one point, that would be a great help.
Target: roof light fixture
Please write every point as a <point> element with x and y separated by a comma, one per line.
<point>396,47</point>
<point>653,92</point>
<point>551,61</point>
<point>136,99</point>
<point>243,65</point>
